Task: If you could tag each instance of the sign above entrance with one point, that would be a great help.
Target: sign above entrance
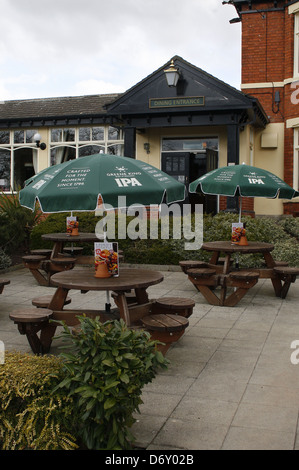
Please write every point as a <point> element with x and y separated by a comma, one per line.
<point>176,102</point>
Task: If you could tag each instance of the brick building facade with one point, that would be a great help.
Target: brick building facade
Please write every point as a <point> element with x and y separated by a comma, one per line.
<point>270,73</point>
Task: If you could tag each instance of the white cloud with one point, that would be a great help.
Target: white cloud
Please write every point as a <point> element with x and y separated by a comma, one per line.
<point>92,87</point>
<point>67,45</point>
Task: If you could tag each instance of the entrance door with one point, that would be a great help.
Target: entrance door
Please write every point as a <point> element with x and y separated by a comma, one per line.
<point>176,164</point>
<point>187,167</point>
<point>201,163</point>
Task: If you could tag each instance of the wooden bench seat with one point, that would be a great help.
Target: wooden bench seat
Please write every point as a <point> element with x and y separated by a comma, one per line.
<point>245,277</point>
<point>170,327</point>
<point>42,252</point>
<point>287,275</point>
<point>190,264</point>
<point>205,276</point>
<point>3,282</point>
<point>33,261</point>
<point>166,328</point>
<point>56,265</point>
<point>34,264</point>
<point>30,321</point>
<point>44,301</point>
<point>175,305</point>
<point>73,250</point>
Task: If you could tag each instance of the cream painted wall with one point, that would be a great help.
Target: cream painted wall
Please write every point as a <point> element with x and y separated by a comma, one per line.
<point>154,137</point>
<point>270,158</point>
<point>251,152</point>
<point>43,156</point>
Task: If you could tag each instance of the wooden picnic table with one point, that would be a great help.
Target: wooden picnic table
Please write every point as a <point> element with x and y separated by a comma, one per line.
<point>60,239</point>
<point>228,248</point>
<point>84,280</point>
<point>208,276</point>
<point>44,263</point>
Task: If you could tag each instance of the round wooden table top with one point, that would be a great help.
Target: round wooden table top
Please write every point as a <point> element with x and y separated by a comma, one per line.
<point>67,237</point>
<point>84,279</point>
<point>229,247</point>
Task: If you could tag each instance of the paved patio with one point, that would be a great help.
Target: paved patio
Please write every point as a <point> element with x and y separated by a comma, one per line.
<point>230,385</point>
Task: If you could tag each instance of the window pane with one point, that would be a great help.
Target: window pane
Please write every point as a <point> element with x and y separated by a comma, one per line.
<point>19,137</point>
<point>113,133</point>
<point>29,135</point>
<point>170,145</point>
<point>4,170</point>
<point>23,167</point>
<point>90,150</point>
<point>68,135</point>
<point>4,137</point>
<point>62,154</point>
<point>98,133</point>
<point>56,135</point>
<point>115,150</point>
<point>84,134</point>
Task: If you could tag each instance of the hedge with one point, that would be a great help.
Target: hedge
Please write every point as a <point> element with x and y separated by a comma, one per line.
<point>282,233</point>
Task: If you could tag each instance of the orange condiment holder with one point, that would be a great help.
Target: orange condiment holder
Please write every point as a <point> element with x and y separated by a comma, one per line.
<point>243,240</point>
<point>102,270</point>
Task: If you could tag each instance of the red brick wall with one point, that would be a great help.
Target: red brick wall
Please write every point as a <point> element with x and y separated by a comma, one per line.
<point>247,205</point>
<point>267,56</point>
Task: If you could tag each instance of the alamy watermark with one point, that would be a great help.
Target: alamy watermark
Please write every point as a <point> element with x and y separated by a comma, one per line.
<point>295,94</point>
<point>295,354</point>
<point>176,222</point>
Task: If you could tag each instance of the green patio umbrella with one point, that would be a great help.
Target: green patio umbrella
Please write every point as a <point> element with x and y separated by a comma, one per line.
<point>76,185</point>
<point>242,180</point>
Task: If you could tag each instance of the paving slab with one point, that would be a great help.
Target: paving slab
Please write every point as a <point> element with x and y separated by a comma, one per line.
<point>230,384</point>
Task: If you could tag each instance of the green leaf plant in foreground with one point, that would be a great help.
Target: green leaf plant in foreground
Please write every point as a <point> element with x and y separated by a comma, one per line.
<point>105,370</point>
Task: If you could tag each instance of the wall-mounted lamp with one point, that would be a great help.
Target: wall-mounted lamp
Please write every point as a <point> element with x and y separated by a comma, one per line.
<point>39,145</point>
<point>146,147</point>
<point>172,75</point>
<point>276,102</point>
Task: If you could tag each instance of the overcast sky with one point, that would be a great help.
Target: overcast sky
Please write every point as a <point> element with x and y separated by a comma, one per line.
<point>52,48</point>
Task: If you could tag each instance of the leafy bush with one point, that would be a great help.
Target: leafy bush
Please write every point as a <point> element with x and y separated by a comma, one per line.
<point>5,260</point>
<point>105,372</point>
<point>56,223</point>
<point>16,223</point>
<point>31,416</point>
<point>282,234</point>
<point>291,226</point>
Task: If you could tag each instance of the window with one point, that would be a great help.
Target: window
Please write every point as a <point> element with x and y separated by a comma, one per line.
<point>24,137</point>
<point>189,144</point>
<point>67,144</point>
<point>18,158</point>
<point>296,46</point>
<point>4,169</point>
<point>63,135</point>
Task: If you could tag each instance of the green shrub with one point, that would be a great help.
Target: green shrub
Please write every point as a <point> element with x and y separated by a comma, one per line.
<point>291,226</point>
<point>105,372</point>
<point>16,223</point>
<point>5,260</point>
<point>31,416</point>
<point>170,251</point>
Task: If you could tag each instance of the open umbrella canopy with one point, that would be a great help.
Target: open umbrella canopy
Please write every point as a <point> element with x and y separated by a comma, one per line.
<point>243,180</point>
<point>77,184</point>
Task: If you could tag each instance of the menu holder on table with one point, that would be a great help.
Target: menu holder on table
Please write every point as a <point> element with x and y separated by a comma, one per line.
<point>106,259</point>
<point>237,228</point>
<point>72,225</point>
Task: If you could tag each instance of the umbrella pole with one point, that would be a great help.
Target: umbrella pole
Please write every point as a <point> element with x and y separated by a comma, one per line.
<point>108,304</point>
<point>240,209</point>
<point>240,216</point>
